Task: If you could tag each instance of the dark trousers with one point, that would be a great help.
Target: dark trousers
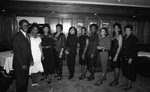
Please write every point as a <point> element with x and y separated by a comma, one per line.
<point>71,62</point>
<point>21,77</point>
<point>48,62</point>
<point>6,80</point>
<point>59,63</point>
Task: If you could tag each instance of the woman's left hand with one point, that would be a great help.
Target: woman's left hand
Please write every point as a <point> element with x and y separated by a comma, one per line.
<point>130,61</point>
<point>42,57</point>
<point>83,56</point>
<point>66,52</point>
<point>60,55</point>
<point>32,63</point>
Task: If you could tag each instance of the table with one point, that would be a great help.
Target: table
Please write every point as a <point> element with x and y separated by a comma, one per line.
<point>144,54</point>
<point>6,60</point>
<point>143,63</point>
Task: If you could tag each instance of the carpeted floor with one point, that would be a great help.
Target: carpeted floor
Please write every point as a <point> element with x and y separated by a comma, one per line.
<point>75,85</point>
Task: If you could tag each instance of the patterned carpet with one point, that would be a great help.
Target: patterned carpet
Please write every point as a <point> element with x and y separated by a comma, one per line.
<point>75,85</point>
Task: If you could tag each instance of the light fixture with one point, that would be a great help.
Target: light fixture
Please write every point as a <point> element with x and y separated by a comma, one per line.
<point>53,12</point>
<point>118,1</point>
<point>95,14</point>
<point>3,10</point>
<point>134,16</point>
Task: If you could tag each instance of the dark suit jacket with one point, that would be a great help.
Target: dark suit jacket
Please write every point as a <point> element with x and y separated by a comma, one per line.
<point>22,51</point>
<point>130,47</point>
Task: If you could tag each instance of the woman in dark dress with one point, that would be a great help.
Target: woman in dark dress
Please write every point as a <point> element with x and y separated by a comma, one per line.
<point>116,46</point>
<point>48,48</point>
<point>71,50</point>
<point>91,52</point>
<point>129,57</point>
<point>83,43</point>
<point>103,47</point>
<point>60,40</point>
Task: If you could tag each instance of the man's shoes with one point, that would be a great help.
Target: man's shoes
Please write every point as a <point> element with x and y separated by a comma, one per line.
<point>114,83</point>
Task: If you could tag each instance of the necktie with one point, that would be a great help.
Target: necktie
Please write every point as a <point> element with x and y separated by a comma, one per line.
<point>27,36</point>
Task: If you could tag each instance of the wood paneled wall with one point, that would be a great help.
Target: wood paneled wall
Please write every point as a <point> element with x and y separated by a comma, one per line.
<point>76,15</point>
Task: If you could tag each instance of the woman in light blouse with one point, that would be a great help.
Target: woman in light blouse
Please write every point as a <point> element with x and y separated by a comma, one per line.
<point>103,48</point>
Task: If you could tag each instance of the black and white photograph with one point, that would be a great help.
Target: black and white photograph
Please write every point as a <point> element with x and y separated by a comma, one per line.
<point>74,46</point>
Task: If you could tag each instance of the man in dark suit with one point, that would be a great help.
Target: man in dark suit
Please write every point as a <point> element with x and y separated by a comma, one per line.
<point>22,56</point>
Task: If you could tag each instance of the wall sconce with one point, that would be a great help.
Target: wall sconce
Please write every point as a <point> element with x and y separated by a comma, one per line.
<point>53,12</point>
<point>118,1</point>
<point>95,14</point>
<point>3,10</point>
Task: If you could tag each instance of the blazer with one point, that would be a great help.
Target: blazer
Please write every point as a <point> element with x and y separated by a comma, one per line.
<point>60,42</point>
<point>22,51</point>
<point>130,47</point>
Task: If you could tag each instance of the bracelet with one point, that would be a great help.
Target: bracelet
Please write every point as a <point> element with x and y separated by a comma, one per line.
<point>103,49</point>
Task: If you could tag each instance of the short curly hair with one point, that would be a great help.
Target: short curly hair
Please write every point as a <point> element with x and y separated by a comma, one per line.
<point>129,26</point>
<point>106,30</point>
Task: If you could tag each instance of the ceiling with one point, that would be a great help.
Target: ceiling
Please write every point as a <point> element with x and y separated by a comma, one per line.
<point>129,3</point>
<point>125,8</point>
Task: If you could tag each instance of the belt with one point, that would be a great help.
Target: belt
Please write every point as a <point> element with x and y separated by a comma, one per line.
<point>46,47</point>
<point>103,50</point>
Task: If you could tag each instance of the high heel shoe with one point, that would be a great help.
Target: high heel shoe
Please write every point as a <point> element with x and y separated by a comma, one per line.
<point>91,78</point>
<point>59,78</point>
<point>98,83</point>
<point>49,81</point>
<point>81,78</point>
<point>34,84</point>
<point>70,77</point>
<point>104,78</point>
<point>110,84</point>
<point>123,84</point>
<point>88,77</point>
<point>127,87</point>
<point>115,83</point>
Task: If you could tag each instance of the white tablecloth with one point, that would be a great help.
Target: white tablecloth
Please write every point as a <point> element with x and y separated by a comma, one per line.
<point>6,60</point>
<point>144,54</point>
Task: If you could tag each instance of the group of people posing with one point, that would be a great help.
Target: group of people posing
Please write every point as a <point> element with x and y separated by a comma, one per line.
<point>34,53</point>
